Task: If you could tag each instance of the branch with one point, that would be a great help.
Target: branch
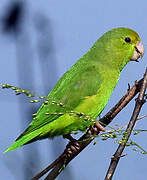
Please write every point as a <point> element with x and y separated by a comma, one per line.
<point>61,162</point>
<point>116,157</point>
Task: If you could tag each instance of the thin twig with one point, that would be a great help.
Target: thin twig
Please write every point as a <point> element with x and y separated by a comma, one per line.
<point>116,157</point>
<point>86,139</point>
<point>141,117</point>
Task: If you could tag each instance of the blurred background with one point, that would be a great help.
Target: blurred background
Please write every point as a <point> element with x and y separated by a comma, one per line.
<point>39,41</point>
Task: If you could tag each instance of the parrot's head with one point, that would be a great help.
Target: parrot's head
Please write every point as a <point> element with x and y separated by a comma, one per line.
<point>120,45</point>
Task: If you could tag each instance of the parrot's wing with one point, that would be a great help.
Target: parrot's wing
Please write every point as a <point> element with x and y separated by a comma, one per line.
<point>69,93</point>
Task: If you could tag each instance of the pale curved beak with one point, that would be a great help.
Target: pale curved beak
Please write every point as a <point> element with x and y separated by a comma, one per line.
<point>138,52</point>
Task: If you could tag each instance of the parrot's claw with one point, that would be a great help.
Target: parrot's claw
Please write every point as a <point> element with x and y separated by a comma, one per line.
<point>96,128</point>
<point>73,146</point>
<point>99,126</point>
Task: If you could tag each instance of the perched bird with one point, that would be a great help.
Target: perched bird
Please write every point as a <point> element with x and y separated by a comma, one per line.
<point>84,90</point>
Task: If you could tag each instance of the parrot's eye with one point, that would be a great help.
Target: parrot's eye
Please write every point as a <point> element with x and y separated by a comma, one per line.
<point>128,40</point>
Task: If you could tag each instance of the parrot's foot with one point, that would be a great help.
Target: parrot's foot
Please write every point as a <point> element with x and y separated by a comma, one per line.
<point>73,146</point>
<point>96,128</point>
<point>99,126</point>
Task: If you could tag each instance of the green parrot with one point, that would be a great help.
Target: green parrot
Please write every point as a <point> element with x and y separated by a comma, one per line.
<point>84,90</point>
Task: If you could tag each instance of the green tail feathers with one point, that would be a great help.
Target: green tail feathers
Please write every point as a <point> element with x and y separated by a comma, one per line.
<point>23,140</point>
<point>49,130</point>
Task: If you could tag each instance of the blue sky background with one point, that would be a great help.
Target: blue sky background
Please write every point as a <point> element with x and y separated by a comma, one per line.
<point>69,29</point>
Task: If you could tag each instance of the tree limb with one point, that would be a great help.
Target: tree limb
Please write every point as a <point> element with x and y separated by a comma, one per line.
<point>61,162</point>
<point>116,157</point>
